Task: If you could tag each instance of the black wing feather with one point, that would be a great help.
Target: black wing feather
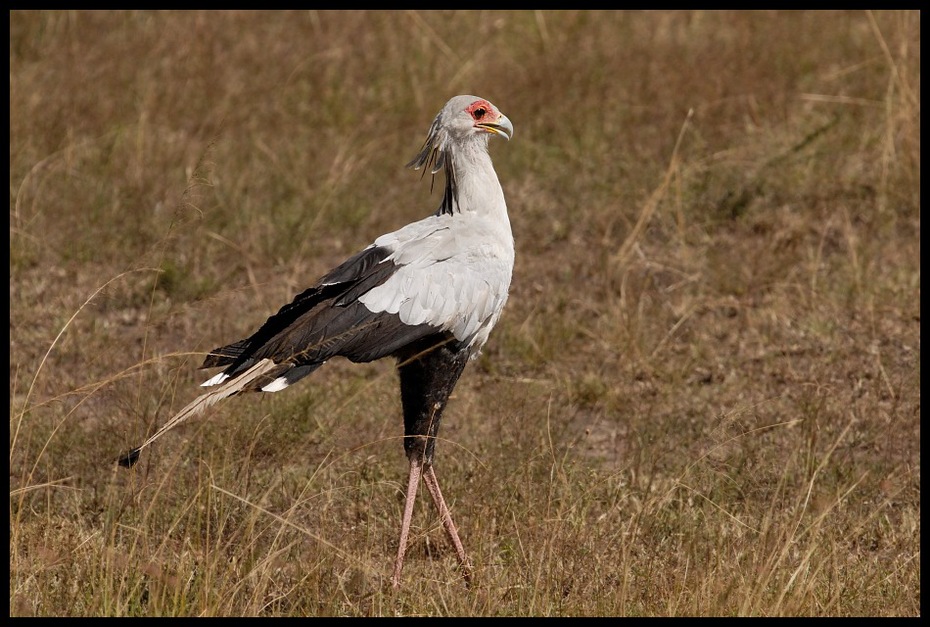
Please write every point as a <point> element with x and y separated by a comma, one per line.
<point>324,321</point>
<point>237,354</point>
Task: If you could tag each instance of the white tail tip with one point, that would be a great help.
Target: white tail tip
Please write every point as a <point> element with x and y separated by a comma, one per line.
<point>215,380</point>
<point>277,385</point>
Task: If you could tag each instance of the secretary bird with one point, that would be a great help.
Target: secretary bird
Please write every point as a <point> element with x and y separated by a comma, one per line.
<point>427,295</point>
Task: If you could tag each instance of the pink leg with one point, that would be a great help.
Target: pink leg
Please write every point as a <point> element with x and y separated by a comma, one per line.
<point>413,482</point>
<point>433,484</point>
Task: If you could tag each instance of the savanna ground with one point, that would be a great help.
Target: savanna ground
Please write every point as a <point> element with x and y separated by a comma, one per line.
<point>703,396</point>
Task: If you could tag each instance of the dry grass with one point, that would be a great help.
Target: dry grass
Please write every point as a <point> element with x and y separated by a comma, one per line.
<point>703,398</point>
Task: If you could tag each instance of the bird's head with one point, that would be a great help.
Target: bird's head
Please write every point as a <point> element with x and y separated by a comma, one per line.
<point>468,115</point>
<point>462,119</point>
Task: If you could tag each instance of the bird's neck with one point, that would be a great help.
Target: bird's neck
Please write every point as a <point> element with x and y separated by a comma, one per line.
<point>472,185</point>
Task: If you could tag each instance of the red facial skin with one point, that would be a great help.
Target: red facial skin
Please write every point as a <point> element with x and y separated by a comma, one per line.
<point>482,111</point>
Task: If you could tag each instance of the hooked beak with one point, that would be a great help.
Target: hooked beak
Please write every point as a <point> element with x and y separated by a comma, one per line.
<point>502,127</point>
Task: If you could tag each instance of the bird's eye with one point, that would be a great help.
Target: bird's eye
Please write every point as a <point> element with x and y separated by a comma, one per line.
<point>479,113</point>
